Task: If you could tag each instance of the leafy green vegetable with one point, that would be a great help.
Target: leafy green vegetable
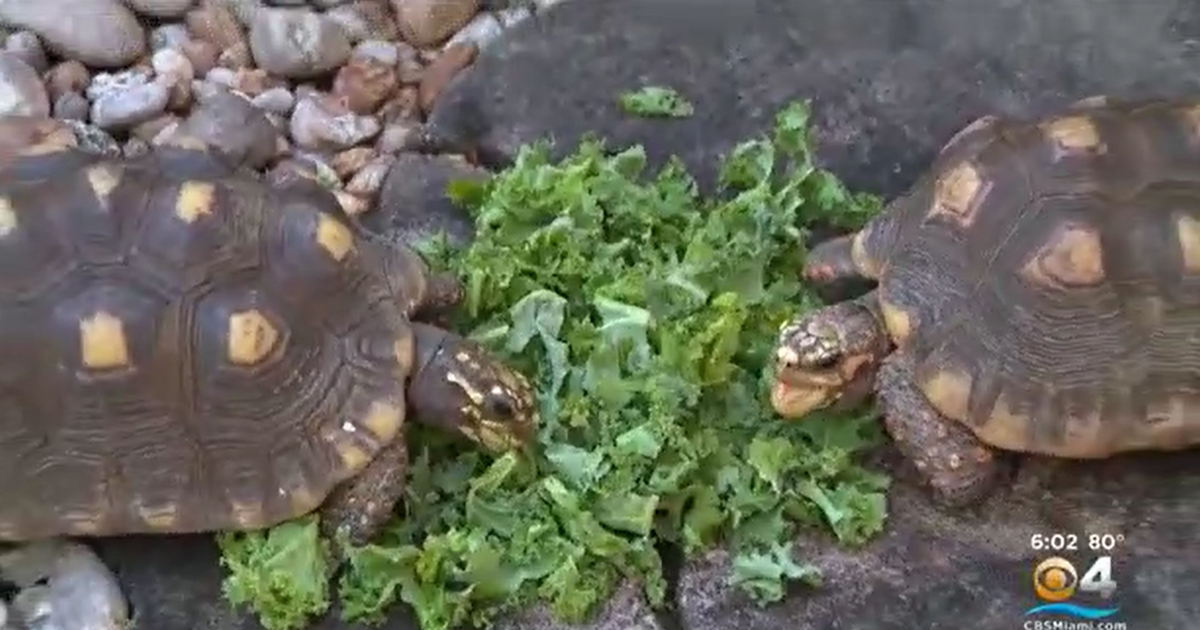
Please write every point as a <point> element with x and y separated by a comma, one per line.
<point>656,101</point>
<point>282,573</point>
<point>646,315</point>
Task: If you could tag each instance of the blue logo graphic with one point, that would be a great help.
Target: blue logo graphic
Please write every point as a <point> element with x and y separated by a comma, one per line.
<point>1074,610</point>
<point>1055,581</point>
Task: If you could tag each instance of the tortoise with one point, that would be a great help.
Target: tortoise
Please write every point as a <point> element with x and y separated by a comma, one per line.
<point>1037,293</point>
<point>184,349</point>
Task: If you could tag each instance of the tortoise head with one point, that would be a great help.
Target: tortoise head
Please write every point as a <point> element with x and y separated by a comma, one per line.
<point>462,387</point>
<point>827,359</point>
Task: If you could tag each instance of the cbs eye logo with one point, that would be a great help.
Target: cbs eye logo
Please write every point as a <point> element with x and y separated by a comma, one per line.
<point>1055,580</point>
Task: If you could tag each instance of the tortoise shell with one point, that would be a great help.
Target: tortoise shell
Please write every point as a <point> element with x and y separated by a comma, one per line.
<point>1044,277</point>
<point>185,353</point>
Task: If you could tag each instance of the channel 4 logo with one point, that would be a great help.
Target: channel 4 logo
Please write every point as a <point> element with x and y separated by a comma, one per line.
<point>1055,582</point>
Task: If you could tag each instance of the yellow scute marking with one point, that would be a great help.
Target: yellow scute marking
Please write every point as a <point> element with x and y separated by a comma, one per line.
<point>1187,230</point>
<point>195,200</point>
<point>1073,132</point>
<point>333,237</point>
<point>248,514</point>
<point>1075,257</point>
<point>1172,425</point>
<point>949,392</point>
<point>384,420</point>
<point>159,517</point>
<point>84,523</point>
<point>303,501</point>
<point>251,337</point>
<point>102,342</point>
<point>897,321</point>
<point>8,217</point>
<point>958,193</point>
<point>354,458</point>
<point>1192,114</point>
<point>858,253</point>
<point>405,353</point>
<point>1005,429</point>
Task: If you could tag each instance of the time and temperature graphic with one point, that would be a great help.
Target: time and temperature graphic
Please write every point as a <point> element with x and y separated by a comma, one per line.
<point>1076,580</point>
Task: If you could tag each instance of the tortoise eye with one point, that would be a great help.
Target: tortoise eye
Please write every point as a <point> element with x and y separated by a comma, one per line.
<point>827,362</point>
<point>499,406</point>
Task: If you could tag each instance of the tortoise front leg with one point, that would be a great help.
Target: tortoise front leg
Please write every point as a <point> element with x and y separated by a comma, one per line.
<point>960,468</point>
<point>63,585</point>
<point>443,293</point>
<point>357,509</point>
<point>832,261</point>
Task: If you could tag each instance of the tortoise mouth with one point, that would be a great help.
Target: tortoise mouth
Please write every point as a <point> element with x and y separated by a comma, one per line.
<point>799,391</point>
<point>794,401</point>
<point>500,437</point>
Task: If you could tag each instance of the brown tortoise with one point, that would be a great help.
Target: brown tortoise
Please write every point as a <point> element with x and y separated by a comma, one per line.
<point>1038,292</point>
<point>185,350</point>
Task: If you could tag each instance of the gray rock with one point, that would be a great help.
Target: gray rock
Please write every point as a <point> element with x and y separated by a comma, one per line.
<point>277,100</point>
<point>126,99</point>
<point>626,610</point>
<point>92,139</point>
<point>322,123</point>
<point>365,19</point>
<point>161,8</point>
<point>297,43</point>
<point>169,36</point>
<point>100,33</point>
<point>482,30</point>
<point>413,204</point>
<point>175,584</point>
<point>71,105</point>
<point>890,81</point>
<point>235,128</point>
<point>27,46</point>
<point>21,89</point>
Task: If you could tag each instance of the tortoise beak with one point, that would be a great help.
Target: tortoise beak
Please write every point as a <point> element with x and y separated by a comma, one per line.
<point>499,437</point>
<point>794,401</point>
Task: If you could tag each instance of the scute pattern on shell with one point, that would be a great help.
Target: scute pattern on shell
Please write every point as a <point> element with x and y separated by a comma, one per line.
<point>145,306</point>
<point>1045,278</point>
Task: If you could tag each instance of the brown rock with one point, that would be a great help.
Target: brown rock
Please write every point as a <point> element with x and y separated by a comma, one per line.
<point>396,136</point>
<point>428,22</point>
<point>411,70</point>
<point>213,23</point>
<point>439,73</point>
<point>366,19</point>
<point>365,83</point>
<point>181,96</point>
<point>254,81</point>
<point>402,107</point>
<point>352,204</point>
<point>368,180</point>
<point>236,57</point>
<point>68,76</point>
<point>350,161</point>
<point>325,123</point>
<point>202,54</point>
<point>151,128</point>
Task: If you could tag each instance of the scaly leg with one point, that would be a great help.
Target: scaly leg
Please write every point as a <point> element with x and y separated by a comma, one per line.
<point>64,586</point>
<point>959,467</point>
<point>360,506</point>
